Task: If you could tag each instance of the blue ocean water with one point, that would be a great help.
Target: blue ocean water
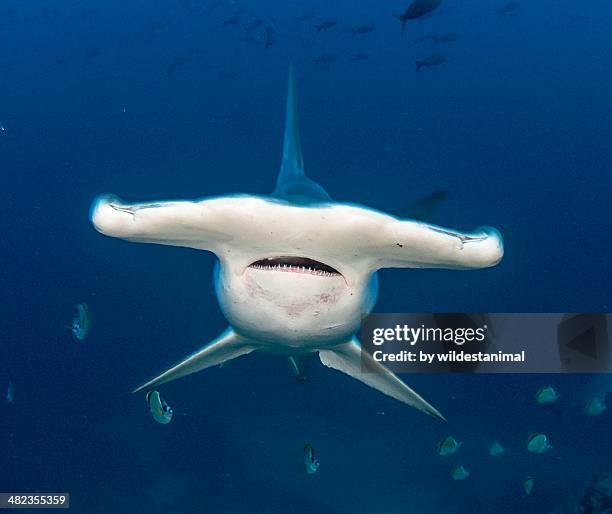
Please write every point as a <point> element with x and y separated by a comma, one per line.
<point>155,100</point>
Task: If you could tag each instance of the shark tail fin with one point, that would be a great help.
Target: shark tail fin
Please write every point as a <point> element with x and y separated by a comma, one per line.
<point>292,181</point>
<point>352,360</point>
<point>418,64</point>
<point>226,347</point>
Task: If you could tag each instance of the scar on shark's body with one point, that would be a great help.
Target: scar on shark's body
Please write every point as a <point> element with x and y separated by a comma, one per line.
<point>288,283</point>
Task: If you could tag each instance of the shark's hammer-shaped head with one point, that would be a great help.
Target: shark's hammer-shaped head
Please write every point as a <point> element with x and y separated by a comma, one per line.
<point>300,275</point>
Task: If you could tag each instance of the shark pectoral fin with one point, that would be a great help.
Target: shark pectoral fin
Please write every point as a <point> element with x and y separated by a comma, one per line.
<point>411,244</point>
<point>193,224</point>
<point>226,347</point>
<point>351,359</point>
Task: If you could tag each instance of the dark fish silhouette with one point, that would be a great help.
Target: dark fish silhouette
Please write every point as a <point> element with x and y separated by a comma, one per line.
<point>270,39</point>
<point>306,16</point>
<point>252,40</point>
<point>362,29</point>
<point>171,68</point>
<point>241,10</point>
<point>417,9</point>
<point>429,62</point>
<point>327,24</point>
<point>424,208</point>
<point>234,19</point>
<point>447,37</point>
<point>155,27</point>
<point>215,5</point>
<point>189,5</point>
<point>359,57</point>
<point>253,25</point>
<point>509,8</point>
<point>149,29</point>
<point>48,12</point>
<point>325,59</point>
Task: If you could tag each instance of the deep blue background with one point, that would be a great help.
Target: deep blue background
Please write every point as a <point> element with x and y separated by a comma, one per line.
<point>126,97</point>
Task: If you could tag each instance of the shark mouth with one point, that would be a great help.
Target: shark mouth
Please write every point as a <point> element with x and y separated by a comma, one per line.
<point>296,265</point>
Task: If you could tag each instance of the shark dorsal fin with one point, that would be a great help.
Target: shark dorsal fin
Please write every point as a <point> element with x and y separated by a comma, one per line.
<point>292,181</point>
<point>293,163</point>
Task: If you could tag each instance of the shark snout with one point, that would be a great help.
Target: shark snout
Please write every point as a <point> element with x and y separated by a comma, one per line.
<point>108,216</point>
<point>490,248</point>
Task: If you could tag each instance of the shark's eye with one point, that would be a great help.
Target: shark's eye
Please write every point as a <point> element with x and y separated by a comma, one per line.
<point>295,265</point>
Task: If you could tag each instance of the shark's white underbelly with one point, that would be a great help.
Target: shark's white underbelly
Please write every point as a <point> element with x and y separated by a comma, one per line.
<point>289,313</point>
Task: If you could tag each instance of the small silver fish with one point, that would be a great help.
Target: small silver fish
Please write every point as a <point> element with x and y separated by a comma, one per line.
<point>311,463</point>
<point>496,449</point>
<point>538,443</point>
<point>448,446</point>
<point>595,407</point>
<point>460,473</point>
<point>10,392</point>
<point>160,410</point>
<point>81,324</point>
<point>546,395</point>
<point>528,485</point>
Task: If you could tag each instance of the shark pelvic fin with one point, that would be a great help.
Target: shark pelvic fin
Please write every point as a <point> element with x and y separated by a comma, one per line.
<point>226,347</point>
<point>297,367</point>
<point>292,181</point>
<point>349,359</point>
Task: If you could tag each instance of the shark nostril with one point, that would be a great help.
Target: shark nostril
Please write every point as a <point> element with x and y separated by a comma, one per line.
<point>296,265</point>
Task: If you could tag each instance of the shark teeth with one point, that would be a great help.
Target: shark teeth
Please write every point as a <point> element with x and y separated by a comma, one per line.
<point>302,265</point>
<point>294,269</point>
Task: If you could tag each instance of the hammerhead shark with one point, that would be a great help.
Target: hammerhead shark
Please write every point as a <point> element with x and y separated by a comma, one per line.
<point>296,271</point>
